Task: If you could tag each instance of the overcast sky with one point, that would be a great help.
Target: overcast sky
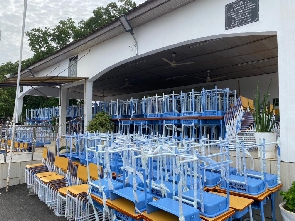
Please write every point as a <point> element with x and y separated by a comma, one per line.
<point>40,13</point>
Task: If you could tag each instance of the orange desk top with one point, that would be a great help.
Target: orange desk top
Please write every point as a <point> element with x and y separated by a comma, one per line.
<point>259,197</point>
<point>223,216</point>
<point>237,202</point>
<point>159,215</point>
<point>127,207</point>
<point>276,188</point>
<point>122,205</point>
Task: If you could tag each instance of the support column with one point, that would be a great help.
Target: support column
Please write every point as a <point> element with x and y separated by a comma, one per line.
<point>19,108</point>
<point>286,66</point>
<point>63,92</point>
<point>88,86</point>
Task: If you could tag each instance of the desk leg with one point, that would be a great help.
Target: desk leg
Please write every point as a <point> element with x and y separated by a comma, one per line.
<point>262,211</point>
<point>221,129</point>
<point>250,213</point>
<point>273,203</point>
<point>201,130</point>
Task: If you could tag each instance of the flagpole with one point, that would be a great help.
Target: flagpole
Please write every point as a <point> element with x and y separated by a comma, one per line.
<point>16,95</point>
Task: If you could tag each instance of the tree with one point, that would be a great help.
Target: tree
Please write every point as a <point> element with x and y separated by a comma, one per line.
<point>103,16</point>
<point>44,42</point>
<point>7,95</point>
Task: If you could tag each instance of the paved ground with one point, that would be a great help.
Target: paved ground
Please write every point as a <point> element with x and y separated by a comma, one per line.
<point>18,205</point>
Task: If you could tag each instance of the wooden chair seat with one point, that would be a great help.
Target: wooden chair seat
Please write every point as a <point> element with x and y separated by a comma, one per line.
<point>34,165</point>
<point>76,189</point>
<point>47,179</point>
<point>45,174</point>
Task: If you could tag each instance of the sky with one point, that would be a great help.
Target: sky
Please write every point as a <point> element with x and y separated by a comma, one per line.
<point>40,13</point>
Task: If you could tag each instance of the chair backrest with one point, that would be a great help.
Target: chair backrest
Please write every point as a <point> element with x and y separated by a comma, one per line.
<point>61,163</point>
<point>44,153</point>
<point>16,144</point>
<point>72,168</point>
<point>51,157</point>
<point>93,170</point>
<point>82,173</point>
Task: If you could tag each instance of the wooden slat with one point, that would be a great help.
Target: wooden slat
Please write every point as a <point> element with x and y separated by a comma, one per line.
<point>222,217</point>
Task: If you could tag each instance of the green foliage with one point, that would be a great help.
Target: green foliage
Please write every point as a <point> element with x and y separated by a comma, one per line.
<point>103,16</point>
<point>44,42</point>
<point>101,123</point>
<point>7,95</point>
<point>289,197</point>
<point>35,102</point>
<point>263,114</point>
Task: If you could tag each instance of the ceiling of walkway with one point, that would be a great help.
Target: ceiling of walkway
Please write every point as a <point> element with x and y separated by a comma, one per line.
<point>226,58</point>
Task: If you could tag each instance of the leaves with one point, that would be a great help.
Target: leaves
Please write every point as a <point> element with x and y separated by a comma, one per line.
<point>7,95</point>
<point>101,123</point>
<point>289,197</point>
<point>44,42</point>
<point>263,114</point>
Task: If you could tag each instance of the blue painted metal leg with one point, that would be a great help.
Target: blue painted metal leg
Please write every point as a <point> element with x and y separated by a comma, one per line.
<point>273,203</point>
<point>262,211</point>
<point>250,213</point>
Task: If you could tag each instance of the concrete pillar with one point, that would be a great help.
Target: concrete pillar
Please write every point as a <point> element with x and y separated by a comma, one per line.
<point>286,66</point>
<point>19,108</point>
<point>63,92</point>
<point>88,85</point>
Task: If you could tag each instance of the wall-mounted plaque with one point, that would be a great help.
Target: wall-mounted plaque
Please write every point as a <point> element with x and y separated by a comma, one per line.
<point>241,12</point>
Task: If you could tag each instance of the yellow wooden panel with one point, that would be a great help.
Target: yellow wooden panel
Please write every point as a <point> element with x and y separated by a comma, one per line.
<point>244,101</point>
<point>44,174</point>
<point>237,202</point>
<point>76,189</point>
<point>34,165</point>
<point>44,153</point>
<point>222,217</point>
<point>159,215</point>
<point>47,179</point>
<point>26,145</point>
<point>93,169</point>
<point>82,173</point>
<point>251,104</point>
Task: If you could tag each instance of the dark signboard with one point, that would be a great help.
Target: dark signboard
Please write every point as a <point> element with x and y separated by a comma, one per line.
<point>241,12</point>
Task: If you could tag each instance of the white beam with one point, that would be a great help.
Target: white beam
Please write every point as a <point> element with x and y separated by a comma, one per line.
<point>62,110</point>
<point>73,84</point>
<point>88,86</point>
<point>286,64</point>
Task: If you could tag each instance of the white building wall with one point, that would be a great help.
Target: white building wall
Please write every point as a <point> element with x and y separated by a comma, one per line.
<point>100,59</point>
<point>60,69</point>
<point>201,20</point>
<point>198,21</point>
<point>286,36</point>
